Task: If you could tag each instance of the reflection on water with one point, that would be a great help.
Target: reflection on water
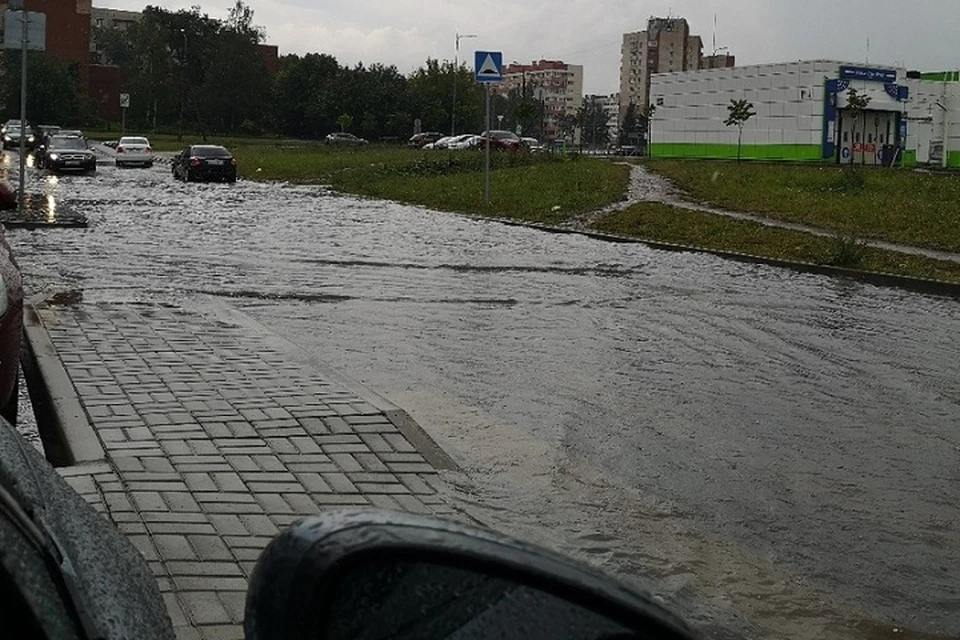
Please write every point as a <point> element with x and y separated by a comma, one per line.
<point>775,446</point>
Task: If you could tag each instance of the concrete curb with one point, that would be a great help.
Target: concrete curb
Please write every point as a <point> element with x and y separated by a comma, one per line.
<point>67,435</point>
<point>414,433</point>
<point>920,285</point>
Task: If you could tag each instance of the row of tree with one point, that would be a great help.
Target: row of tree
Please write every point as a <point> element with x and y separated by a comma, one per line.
<point>184,69</point>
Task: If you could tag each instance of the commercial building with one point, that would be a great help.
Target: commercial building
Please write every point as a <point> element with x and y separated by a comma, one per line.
<point>556,84</point>
<point>802,113</point>
<point>665,46</point>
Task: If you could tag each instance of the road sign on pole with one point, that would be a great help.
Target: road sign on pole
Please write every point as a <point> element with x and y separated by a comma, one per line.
<point>488,66</point>
<point>124,100</point>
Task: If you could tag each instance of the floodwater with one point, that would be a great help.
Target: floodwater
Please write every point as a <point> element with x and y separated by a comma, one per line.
<point>774,454</point>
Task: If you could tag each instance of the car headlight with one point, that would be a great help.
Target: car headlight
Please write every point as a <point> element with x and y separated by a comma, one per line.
<point>54,156</point>
<point>31,138</point>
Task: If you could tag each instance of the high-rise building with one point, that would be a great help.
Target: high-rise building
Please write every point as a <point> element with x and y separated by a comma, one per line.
<point>558,86</point>
<point>665,46</point>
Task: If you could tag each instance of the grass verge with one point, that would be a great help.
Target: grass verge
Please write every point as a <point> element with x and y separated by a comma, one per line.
<point>896,205</point>
<point>530,187</point>
<point>663,223</point>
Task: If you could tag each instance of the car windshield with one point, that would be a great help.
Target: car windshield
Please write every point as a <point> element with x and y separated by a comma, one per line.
<point>134,141</point>
<point>209,152</point>
<point>67,143</point>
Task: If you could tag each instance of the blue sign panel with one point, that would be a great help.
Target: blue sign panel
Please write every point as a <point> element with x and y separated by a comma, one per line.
<point>488,66</point>
<point>870,75</point>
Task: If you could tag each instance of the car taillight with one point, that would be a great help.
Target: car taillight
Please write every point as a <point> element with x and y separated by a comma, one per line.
<point>119,149</point>
<point>148,150</point>
<point>194,162</point>
<point>233,161</point>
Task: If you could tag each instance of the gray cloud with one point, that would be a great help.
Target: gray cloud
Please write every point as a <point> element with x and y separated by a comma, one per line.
<point>921,34</point>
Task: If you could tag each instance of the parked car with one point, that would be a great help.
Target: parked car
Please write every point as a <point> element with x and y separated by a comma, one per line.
<point>205,162</point>
<point>532,144</point>
<point>11,323</point>
<point>421,139</point>
<point>134,150</point>
<point>467,141</point>
<point>344,138</point>
<point>13,133</point>
<point>69,153</point>
<point>502,140</point>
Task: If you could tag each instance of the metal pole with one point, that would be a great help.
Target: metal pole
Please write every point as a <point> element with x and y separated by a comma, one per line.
<point>486,173</point>
<point>456,72</point>
<point>23,108</point>
<point>456,67</point>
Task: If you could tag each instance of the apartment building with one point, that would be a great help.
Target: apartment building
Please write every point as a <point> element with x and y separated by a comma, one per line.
<point>666,46</point>
<point>557,84</point>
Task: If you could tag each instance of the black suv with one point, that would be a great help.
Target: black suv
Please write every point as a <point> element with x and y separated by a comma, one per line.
<point>69,153</point>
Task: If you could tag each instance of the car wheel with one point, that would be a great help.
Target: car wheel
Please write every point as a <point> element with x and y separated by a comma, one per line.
<point>118,164</point>
<point>12,408</point>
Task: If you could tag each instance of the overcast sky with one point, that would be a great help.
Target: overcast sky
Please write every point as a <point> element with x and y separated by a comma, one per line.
<point>919,34</point>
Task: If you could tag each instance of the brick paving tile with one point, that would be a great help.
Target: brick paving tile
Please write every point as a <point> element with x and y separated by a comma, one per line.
<point>215,441</point>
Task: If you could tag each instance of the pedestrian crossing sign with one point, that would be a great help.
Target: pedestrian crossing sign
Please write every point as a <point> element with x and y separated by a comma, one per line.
<point>488,66</point>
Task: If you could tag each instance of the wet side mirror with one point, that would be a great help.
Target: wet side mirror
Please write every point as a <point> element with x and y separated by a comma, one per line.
<point>382,574</point>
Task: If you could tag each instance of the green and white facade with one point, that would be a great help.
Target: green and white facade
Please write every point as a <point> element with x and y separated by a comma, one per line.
<point>801,114</point>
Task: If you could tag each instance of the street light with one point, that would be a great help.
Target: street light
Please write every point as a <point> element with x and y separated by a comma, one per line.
<point>183,80</point>
<point>456,72</point>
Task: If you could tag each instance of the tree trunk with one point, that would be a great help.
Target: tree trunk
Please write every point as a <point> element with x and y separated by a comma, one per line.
<point>739,142</point>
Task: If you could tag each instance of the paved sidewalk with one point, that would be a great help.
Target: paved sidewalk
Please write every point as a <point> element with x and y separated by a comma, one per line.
<point>215,436</point>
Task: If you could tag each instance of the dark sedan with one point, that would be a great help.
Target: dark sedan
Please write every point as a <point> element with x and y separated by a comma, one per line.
<point>205,162</point>
<point>69,153</point>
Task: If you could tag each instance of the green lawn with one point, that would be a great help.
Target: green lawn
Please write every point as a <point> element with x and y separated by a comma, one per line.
<point>530,187</point>
<point>897,205</point>
<point>663,223</point>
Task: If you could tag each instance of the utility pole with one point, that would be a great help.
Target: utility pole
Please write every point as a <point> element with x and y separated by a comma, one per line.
<point>183,82</point>
<point>456,72</point>
<point>23,107</point>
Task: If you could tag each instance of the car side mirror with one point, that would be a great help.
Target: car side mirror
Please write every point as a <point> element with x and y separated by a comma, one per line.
<point>384,574</point>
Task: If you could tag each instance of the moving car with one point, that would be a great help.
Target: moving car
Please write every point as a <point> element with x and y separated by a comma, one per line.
<point>134,150</point>
<point>502,140</point>
<point>13,133</point>
<point>344,138</point>
<point>468,141</point>
<point>69,153</point>
<point>205,162</point>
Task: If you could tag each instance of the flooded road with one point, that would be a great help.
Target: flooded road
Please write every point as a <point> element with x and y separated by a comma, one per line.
<point>776,454</point>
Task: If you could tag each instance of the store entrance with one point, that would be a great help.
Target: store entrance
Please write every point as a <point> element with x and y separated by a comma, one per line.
<point>861,139</point>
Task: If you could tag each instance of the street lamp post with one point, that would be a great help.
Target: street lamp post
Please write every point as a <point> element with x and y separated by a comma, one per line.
<point>183,81</point>
<point>456,72</point>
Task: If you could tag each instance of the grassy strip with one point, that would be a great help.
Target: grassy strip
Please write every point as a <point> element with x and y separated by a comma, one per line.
<point>531,187</point>
<point>895,205</point>
<point>663,223</point>
<point>169,142</point>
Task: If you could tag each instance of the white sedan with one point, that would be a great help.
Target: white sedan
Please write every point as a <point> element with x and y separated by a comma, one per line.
<point>134,150</point>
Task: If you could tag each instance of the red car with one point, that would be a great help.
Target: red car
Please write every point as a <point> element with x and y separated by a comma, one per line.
<point>11,330</point>
<point>502,140</point>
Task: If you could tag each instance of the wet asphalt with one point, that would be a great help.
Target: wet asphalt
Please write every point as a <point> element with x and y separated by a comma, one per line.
<point>776,454</point>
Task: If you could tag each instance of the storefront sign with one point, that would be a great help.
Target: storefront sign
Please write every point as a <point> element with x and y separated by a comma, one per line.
<point>870,75</point>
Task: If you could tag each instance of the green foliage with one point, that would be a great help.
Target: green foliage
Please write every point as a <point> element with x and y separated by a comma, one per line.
<point>592,121</point>
<point>848,251</point>
<point>739,112</point>
<point>630,129</point>
<point>897,206</point>
<point>55,92</point>
<point>663,223</point>
<point>345,120</point>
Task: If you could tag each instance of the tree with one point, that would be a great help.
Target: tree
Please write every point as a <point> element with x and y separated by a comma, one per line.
<point>592,119</point>
<point>856,105</point>
<point>54,89</point>
<point>740,111</point>
<point>630,125</point>
<point>345,120</point>
<point>648,112</point>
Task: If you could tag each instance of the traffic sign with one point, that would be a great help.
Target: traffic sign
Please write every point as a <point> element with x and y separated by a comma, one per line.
<point>488,66</point>
<point>124,100</point>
